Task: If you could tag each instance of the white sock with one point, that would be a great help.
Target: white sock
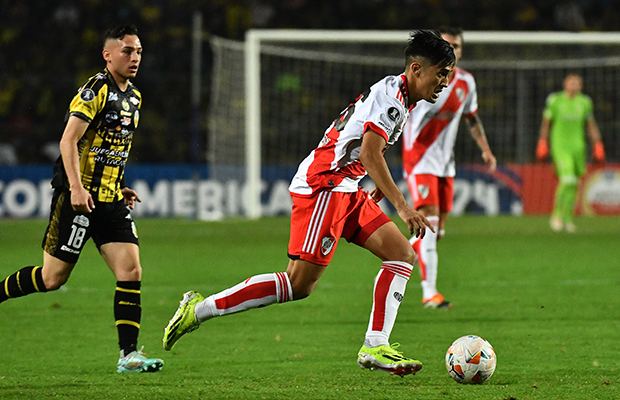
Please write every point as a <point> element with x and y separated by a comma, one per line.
<point>388,293</point>
<point>257,291</point>
<point>427,257</point>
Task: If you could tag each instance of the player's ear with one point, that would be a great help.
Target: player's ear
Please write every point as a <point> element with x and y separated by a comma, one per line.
<point>416,68</point>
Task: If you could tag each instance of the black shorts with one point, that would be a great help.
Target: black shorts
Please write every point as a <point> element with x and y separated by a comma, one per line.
<point>68,230</point>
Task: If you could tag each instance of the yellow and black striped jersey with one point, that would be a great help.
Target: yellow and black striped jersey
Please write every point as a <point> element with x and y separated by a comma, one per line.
<point>113,117</point>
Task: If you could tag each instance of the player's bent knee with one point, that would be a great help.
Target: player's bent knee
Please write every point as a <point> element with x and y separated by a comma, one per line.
<point>301,293</point>
<point>54,282</point>
<point>133,273</point>
<point>406,254</point>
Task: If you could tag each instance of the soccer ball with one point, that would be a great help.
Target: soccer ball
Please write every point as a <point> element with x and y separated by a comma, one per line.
<point>470,359</point>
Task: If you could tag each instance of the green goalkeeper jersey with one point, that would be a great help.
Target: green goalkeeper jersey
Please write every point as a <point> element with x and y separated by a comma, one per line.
<point>568,120</point>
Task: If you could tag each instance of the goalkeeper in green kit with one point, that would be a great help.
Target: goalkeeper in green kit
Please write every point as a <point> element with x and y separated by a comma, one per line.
<point>566,116</point>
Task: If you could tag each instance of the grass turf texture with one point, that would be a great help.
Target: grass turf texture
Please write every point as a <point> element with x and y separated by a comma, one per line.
<point>547,302</point>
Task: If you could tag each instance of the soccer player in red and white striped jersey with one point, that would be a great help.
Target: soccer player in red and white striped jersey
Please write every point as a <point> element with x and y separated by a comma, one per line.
<point>428,159</point>
<point>329,204</point>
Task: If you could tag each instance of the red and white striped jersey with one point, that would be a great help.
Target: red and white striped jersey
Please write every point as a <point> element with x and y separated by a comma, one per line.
<point>334,165</point>
<point>430,132</point>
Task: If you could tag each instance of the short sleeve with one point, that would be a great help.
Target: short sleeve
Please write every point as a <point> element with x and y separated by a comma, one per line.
<point>386,115</point>
<point>88,102</point>
<point>548,110</point>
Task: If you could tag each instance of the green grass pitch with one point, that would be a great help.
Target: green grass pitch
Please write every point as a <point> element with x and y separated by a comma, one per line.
<point>549,303</point>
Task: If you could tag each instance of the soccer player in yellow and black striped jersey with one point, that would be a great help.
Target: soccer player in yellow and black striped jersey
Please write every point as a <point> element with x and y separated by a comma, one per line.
<point>90,198</point>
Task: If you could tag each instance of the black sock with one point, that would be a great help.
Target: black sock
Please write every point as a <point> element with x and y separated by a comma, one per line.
<point>25,281</point>
<point>127,312</point>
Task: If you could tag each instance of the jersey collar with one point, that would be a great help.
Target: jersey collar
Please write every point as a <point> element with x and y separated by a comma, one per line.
<point>405,91</point>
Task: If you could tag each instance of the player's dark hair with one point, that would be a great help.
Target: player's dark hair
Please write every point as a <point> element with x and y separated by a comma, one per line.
<point>119,32</point>
<point>430,45</point>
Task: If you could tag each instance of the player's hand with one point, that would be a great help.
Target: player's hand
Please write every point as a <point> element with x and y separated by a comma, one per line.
<point>490,160</point>
<point>416,222</point>
<point>376,195</point>
<point>130,197</point>
<point>598,152</point>
<point>81,200</point>
<point>542,150</point>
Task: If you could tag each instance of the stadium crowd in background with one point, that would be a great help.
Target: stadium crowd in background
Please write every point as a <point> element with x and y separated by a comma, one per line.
<point>40,67</point>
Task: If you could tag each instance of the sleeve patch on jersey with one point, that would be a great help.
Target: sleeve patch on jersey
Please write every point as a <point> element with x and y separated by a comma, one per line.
<point>87,95</point>
<point>393,113</point>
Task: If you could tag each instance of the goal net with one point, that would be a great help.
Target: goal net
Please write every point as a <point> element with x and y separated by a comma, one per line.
<point>274,95</point>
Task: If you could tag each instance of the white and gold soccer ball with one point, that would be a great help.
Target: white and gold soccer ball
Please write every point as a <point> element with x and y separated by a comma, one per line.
<point>471,359</point>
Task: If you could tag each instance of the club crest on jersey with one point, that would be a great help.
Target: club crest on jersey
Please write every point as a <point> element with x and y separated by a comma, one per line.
<point>460,93</point>
<point>125,105</point>
<point>81,220</point>
<point>423,191</point>
<point>327,244</point>
<point>111,117</point>
<point>393,113</point>
<point>87,95</point>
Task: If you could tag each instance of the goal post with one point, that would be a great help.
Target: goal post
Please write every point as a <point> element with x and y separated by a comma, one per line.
<point>514,72</point>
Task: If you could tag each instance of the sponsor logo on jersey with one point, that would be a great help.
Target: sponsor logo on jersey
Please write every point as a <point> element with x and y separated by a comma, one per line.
<point>136,118</point>
<point>460,94</point>
<point>100,76</point>
<point>81,220</point>
<point>111,117</point>
<point>87,95</point>
<point>387,128</point>
<point>423,191</point>
<point>125,121</point>
<point>393,113</point>
<point>398,297</point>
<point>134,101</point>
<point>69,249</point>
<point>125,105</point>
<point>109,152</point>
<point>327,244</point>
<point>113,96</point>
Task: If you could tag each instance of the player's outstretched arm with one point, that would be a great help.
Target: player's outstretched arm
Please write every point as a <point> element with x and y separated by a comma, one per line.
<point>371,157</point>
<point>476,129</point>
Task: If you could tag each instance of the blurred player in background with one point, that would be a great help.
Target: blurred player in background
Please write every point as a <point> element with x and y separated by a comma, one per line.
<point>90,198</point>
<point>566,115</point>
<point>329,204</point>
<point>428,160</point>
